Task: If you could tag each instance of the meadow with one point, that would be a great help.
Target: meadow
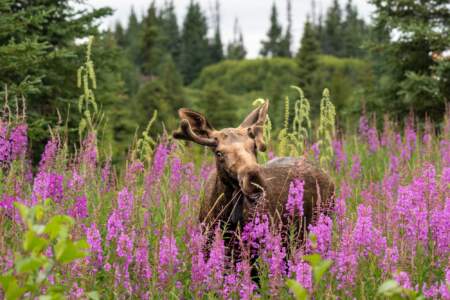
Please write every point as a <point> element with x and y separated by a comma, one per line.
<point>76,226</point>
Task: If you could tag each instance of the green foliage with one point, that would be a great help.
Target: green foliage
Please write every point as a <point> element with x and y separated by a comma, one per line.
<point>276,45</point>
<point>390,289</point>
<point>420,79</point>
<point>307,58</point>
<point>32,267</point>
<point>145,145</point>
<point>194,43</point>
<point>236,49</point>
<point>326,131</point>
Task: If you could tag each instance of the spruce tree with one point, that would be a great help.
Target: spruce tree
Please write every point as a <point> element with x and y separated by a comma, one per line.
<point>216,47</point>
<point>133,38</point>
<point>194,43</point>
<point>151,50</point>
<point>332,33</point>
<point>170,33</point>
<point>236,49</point>
<point>307,58</point>
<point>272,47</point>
<point>353,32</point>
<point>415,72</point>
<point>287,39</point>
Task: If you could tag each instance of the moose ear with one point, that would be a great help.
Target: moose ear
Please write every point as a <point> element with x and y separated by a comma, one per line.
<point>194,127</point>
<point>255,123</point>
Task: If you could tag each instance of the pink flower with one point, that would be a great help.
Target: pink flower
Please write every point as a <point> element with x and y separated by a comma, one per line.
<point>295,199</point>
<point>168,259</point>
<point>355,172</point>
<point>322,230</point>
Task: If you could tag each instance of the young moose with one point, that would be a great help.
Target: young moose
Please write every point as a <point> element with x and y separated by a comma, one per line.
<point>239,186</point>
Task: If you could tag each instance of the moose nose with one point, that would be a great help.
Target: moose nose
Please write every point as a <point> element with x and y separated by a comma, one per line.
<point>251,181</point>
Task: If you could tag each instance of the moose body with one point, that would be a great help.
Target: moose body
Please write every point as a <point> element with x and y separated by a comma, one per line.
<point>240,187</point>
<point>226,204</point>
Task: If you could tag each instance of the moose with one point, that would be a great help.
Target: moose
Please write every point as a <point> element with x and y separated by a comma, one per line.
<point>239,187</point>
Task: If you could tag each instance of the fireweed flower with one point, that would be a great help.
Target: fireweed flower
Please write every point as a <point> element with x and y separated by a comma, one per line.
<point>216,263</point>
<point>106,174</point>
<point>48,185</point>
<point>440,228</point>
<point>322,230</point>
<point>340,159</point>
<point>274,256</point>
<point>295,198</point>
<point>390,259</point>
<point>316,150</point>
<point>199,269</point>
<point>19,141</point>
<point>340,207</point>
<point>175,172</point>
<point>345,259</point>
<point>444,147</point>
<point>79,209</point>
<point>255,232</point>
<point>372,139</point>
<point>5,145</point>
<point>115,226</point>
<point>133,170</point>
<point>363,126</point>
<point>49,155</point>
<point>247,286</point>
<point>94,240</point>
<point>77,182</point>
<point>403,280</point>
<point>365,236</point>
<point>89,153</point>
<point>168,262</point>
<point>303,273</point>
<point>125,202</point>
<point>159,163</point>
<point>355,172</point>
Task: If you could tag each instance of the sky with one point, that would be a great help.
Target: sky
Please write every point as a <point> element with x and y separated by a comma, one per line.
<point>253,15</point>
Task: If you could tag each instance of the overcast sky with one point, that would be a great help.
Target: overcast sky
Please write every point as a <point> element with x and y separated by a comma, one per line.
<point>253,15</point>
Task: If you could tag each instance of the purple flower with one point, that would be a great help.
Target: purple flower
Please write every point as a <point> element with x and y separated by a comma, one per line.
<point>322,231</point>
<point>303,274</point>
<point>199,269</point>
<point>125,202</point>
<point>255,232</point>
<point>363,126</point>
<point>374,142</point>
<point>48,185</point>
<point>175,172</point>
<point>355,172</point>
<point>125,247</point>
<point>345,267</point>
<point>440,228</point>
<point>94,240</point>
<point>247,286</point>
<point>168,262</point>
<point>295,198</point>
<point>79,209</point>
<point>366,237</point>
<point>216,263</point>
<point>133,170</point>
<point>49,155</point>
<point>5,145</point>
<point>341,207</point>
<point>339,154</point>
<point>159,163</point>
<point>274,256</point>
<point>19,141</point>
<point>316,150</point>
<point>402,279</point>
<point>114,226</point>
<point>89,153</point>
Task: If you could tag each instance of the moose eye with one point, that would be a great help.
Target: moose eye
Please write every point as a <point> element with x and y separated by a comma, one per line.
<point>219,154</point>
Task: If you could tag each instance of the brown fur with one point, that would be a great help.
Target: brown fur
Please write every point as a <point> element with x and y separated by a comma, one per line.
<point>239,187</point>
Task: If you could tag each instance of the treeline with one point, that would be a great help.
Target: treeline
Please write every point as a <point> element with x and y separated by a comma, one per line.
<point>394,64</point>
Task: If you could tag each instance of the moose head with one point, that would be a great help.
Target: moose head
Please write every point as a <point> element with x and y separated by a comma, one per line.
<point>235,149</point>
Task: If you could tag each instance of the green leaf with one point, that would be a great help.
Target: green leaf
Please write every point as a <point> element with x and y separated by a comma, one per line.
<point>93,295</point>
<point>389,288</point>
<point>33,243</point>
<point>313,259</point>
<point>320,269</point>
<point>68,251</point>
<point>300,293</point>
<point>58,226</point>
<point>23,210</point>
<point>29,264</point>
<point>11,287</point>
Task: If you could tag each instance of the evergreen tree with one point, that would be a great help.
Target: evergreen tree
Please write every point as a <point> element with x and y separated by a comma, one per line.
<point>307,58</point>
<point>273,46</point>
<point>173,82</point>
<point>219,105</point>
<point>216,47</point>
<point>415,73</point>
<point>171,40</point>
<point>236,49</point>
<point>133,38</point>
<point>194,43</point>
<point>287,39</point>
<point>38,54</point>
<point>331,42</point>
<point>119,35</point>
<point>353,32</point>
<point>151,50</point>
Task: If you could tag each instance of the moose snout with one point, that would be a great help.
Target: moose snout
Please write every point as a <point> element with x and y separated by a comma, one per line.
<point>251,182</point>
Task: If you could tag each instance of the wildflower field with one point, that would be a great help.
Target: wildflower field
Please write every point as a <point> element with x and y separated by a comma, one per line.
<point>133,230</point>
